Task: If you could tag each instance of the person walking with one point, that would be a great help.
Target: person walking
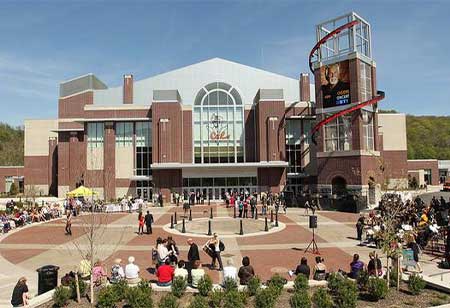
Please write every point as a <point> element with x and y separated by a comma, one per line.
<point>69,223</point>
<point>141,223</point>
<point>148,222</point>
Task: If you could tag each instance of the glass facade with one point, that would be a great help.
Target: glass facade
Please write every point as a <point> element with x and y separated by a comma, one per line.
<point>218,125</point>
<point>294,138</point>
<point>124,134</point>
<point>143,148</point>
<point>95,134</point>
<point>338,135</point>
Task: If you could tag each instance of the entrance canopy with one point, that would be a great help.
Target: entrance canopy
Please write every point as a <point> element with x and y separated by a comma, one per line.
<point>81,192</point>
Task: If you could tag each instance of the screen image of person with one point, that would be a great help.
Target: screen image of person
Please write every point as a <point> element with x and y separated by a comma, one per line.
<point>336,90</point>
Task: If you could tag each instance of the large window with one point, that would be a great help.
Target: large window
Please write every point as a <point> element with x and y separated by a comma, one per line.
<point>124,134</point>
<point>95,134</point>
<point>293,145</point>
<point>365,75</point>
<point>338,135</point>
<point>143,148</point>
<point>367,119</point>
<point>218,125</point>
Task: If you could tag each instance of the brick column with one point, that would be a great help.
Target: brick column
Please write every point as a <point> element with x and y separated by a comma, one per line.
<point>109,162</point>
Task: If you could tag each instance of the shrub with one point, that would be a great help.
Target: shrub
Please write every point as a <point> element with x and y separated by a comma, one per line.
<point>168,301</point>
<point>362,279</point>
<point>179,285</point>
<point>300,299</point>
<point>107,298</point>
<point>416,284</point>
<point>393,275</point>
<point>82,285</point>
<point>139,297</point>
<point>277,282</point>
<point>205,285</point>
<point>199,302</point>
<point>61,296</point>
<point>301,283</point>
<point>120,289</point>
<point>216,297</point>
<point>229,284</point>
<point>377,288</point>
<point>234,299</point>
<point>346,294</point>
<point>266,298</point>
<point>322,299</point>
<point>253,286</point>
<point>334,280</point>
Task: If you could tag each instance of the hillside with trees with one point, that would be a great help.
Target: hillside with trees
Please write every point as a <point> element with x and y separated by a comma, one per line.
<point>11,145</point>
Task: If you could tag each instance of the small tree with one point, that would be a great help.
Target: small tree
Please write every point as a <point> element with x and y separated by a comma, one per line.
<point>13,189</point>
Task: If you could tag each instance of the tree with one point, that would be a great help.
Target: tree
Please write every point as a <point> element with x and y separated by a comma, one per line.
<point>13,189</point>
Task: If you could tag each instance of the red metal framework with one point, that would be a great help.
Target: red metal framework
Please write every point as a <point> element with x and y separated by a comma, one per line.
<point>376,99</point>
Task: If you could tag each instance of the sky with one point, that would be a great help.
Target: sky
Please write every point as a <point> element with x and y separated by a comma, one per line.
<point>46,42</point>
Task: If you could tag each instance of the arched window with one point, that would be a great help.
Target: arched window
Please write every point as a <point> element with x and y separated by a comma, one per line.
<point>218,125</point>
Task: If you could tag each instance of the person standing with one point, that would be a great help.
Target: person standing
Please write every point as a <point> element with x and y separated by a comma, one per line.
<point>148,222</point>
<point>360,227</point>
<point>141,223</point>
<point>69,223</point>
<point>214,244</point>
<point>20,295</point>
<point>193,256</point>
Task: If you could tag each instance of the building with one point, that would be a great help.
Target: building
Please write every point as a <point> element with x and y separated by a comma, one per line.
<point>218,125</point>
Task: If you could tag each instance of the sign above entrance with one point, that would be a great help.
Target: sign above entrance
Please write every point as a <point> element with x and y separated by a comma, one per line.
<point>218,128</point>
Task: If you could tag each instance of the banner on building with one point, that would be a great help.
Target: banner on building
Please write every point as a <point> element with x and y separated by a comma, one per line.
<point>335,84</point>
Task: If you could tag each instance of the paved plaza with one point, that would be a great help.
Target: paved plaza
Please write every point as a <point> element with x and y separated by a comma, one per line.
<point>24,250</point>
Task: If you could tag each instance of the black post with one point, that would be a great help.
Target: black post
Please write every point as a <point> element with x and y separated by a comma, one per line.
<point>271,216</point>
<point>210,213</point>
<point>276,219</point>
<point>209,200</point>
<point>256,212</point>
<point>241,231</point>
<point>234,211</point>
<point>209,227</point>
<point>190,215</point>
<point>171,221</point>
<point>183,230</point>
<point>266,228</point>
<point>175,219</point>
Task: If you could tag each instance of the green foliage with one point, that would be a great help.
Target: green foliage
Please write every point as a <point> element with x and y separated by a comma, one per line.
<point>436,302</point>
<point>107,298</point>
<point>82,285</point>
<point>301,283</point>
<point>322,299</point>
<point>205,285</point>
<point>11,145</point>
<point>120,289</point>
<point>199,302</point>
<point>378,288</point>
<point>416,284</point>
<point>168,301</point>
<point>234,299</point>
<point>139,297</point>
<point>346,294</point>
<point>61,296</point>
<point>13,190</point>
<point>266,298</point>
<point>179,285</point>
<point>393,275</point>
<point>253,286</point>
<point>216,297</point>
<point>229,284</point>
<point>362,279</point>
<point>277,283</point>
<point>300,299</point>
<point>334,281</point>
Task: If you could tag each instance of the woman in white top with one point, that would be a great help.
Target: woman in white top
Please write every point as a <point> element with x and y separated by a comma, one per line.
<point>181,271</point>
<point>214,244</point>
<point>230,271</point>
<point>163,252</point>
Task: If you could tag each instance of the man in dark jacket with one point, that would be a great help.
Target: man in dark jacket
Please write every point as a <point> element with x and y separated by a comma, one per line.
<point>148,222</point>
<point>193,255</point>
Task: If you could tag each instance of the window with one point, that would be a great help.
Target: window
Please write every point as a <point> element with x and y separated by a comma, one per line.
<point>95,135</point>
<point>338,135</point>
<point>218,125</point>
<point>124,134</point>
<point>143,148</point>
<point>365,75</point>
<point>293,145</point>
<point>367,119</point>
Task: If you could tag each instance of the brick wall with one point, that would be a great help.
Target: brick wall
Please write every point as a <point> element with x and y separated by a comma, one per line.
<point>431,164</point>
<point>6,172</point>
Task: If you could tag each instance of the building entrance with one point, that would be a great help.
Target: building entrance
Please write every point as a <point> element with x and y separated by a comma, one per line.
<point>144,190</point>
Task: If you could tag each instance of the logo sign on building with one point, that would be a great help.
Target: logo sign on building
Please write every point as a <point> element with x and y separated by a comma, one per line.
<point>335,84</point>
<point>218,129</point>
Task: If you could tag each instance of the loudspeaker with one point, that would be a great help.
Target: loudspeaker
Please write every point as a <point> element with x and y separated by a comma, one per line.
<point>313,222</point>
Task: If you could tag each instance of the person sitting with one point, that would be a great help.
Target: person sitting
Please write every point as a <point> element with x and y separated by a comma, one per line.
<point>374,260</point>
<point>165,274</point>
<point>355,267</point>
<point>423,219</point>
<point>320,269</point>
<point>117,273</point>
<point>197,273</point>
<point>246,271</point>
<point>303,268</point>
<point>99,274</point>
<point>20,294</point>
<point>132,271</point>
<point>85,268</point>
<point>230,271</point>
<point>180,271</point>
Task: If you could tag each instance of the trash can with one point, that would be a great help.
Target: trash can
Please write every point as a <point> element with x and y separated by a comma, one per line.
<point>47,278</point>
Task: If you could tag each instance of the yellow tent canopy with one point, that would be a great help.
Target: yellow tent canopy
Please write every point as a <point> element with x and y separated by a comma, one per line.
<point>81,192</point>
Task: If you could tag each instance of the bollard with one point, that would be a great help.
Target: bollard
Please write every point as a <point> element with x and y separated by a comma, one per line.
<point>209,227</point>
<point>241,231</point>
<point>271,216</point>
<point>234,211</point>
<point>210,213</point>
<point>183,230</point>
<point>190,215</point>
<point>256,212</point>
<point>171,222</point>
<point>276,219</point>
<point>266,228</point>
<point>175,219</point>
